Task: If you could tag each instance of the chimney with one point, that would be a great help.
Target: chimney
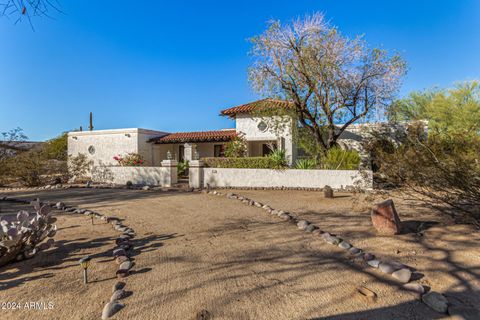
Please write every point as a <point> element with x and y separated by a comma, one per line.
<point>91,122</point>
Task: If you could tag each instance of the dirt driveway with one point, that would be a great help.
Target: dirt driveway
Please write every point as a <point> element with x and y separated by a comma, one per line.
<point>204,252</point>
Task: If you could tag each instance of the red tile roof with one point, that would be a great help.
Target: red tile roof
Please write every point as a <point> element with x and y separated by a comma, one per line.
<point>197,136</point>
<point>263,104</point>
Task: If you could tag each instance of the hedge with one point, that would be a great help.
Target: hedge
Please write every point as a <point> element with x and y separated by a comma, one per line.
<point>244,162</point>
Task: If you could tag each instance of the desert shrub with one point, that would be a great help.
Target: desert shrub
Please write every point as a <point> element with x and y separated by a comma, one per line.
<point>236,148</point>
<point>28,168</point>
<point>56,148</point>
<point>182,168</point>
<point>442,168</point>
<point>242,162</point>
<point>306,164</point>
<point>131,159</point>
<point>78,166</point>
<point>339,159</point>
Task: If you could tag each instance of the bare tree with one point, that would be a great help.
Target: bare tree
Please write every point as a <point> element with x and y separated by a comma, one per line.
<point>330,78</point>
<point>26,9</point>
<point>11,143</point>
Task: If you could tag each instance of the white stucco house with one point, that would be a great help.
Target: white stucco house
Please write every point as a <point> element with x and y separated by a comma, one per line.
<point>102,145</point>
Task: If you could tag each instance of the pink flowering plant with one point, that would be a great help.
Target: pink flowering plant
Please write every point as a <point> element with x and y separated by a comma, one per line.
<point>129,160</point>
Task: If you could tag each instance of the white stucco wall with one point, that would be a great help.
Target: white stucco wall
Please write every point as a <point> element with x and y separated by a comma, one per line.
<point>108,143</point>
<point>290,178</point>
<point>155,176</point>
<point>282,134</point>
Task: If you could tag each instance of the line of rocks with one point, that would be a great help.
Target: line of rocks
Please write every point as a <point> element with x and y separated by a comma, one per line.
<point>400,272</point>
<point>122,253</point>
<point>122,250</point>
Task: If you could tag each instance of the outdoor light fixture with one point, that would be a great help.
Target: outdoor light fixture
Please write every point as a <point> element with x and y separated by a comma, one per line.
<point>127,135</point>
<point>85,262</point>
<point>169,155</point>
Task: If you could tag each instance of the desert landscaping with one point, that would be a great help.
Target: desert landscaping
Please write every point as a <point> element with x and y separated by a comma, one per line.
<point>252,160</point>
<point>198,253</point>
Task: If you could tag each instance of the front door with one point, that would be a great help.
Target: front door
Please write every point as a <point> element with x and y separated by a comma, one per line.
<point>181,153</point>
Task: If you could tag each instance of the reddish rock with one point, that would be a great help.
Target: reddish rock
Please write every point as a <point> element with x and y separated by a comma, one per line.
<point>385,218</point>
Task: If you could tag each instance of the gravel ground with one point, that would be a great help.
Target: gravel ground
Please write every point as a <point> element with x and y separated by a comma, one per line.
<point>199,252</point>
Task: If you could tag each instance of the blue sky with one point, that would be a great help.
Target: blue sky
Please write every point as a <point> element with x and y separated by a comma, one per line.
<point>173,66</point>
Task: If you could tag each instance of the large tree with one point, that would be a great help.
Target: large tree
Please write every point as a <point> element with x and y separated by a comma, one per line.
<point>448,111</point>
<point>333,81</point>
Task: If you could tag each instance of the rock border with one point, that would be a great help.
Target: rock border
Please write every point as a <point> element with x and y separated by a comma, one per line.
<point>398,271</point>
<point>122,249</point>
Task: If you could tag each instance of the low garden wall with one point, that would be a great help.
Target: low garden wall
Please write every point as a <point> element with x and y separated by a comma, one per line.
<point>163,176</point>
<point>288,178</point>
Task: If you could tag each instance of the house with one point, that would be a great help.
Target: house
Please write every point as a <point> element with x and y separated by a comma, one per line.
<point>261,132</point>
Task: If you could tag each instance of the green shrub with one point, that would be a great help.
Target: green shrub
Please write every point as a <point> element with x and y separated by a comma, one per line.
<point>236,148</point>
<point>278,158</point>
<point>243,162</point>
<point>306,164</point>
<point>182,168</point>
<point>339,159</point>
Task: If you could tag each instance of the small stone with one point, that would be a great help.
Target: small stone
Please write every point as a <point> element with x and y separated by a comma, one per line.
<point>302,224</point>
<point>118,285</point>
<point>415,287</point>
<point>117,295</point>
<point>436,301</point>
<point>368,256</point>
<point>285,216</point>
<point>354,250</point>
<point>257,204</point>
<point>146,188</point>
<point>119,252</point>
<point>344,245</point>
<point>310,228</point>
<point>402,275</point>
<point>328,192</point>
<point>274,212</point>
<point>331,239</point>
<point>317,232</point>
<point>110,309</point>
<point>373,263</point>
<point>121,259</point>
<point>126,265</point>
<point>59,205</point>
<point>387,267</point>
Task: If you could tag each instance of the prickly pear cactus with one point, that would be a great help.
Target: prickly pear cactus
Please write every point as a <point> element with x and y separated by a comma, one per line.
<point>21,237</point>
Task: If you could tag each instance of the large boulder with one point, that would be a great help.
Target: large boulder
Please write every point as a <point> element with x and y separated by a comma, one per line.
<point>385,218</point>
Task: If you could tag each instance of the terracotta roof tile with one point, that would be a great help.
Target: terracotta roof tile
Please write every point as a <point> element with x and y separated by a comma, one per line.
<point>196,136</point>
<point>256,105</point>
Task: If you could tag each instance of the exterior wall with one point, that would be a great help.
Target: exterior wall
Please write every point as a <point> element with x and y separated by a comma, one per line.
<point>282,134</point>
<point>156,176</point>
<point>290,178</point>
<point>108,143</point>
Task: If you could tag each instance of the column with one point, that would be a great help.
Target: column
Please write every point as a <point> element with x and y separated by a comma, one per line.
<point>195,174</point>
<point>170,176</point>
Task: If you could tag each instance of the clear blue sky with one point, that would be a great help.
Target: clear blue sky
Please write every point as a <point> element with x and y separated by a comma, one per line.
<point>173,65</point>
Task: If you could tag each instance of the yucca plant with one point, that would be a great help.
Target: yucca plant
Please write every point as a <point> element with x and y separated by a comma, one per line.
<point>306,164</point>
<point>278,158</point>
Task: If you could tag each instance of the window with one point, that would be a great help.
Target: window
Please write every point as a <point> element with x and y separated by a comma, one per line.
<point>262,126</point>
<point>219,150</point>
<point>91,150</point>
